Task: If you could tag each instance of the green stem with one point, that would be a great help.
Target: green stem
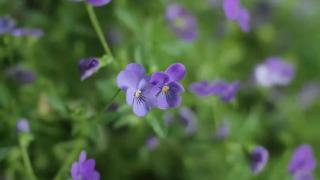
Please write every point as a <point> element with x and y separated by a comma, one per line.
<point>112,98</point>
<point>26,161</point>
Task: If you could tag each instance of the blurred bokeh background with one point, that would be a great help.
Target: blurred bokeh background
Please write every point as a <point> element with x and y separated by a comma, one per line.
<point>67,115</point>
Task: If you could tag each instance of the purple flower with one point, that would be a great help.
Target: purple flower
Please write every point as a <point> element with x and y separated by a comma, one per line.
<point>84,169</point>
<point>23,125</point>
<point>244,20</point>
<point>302,160</point>
<point>182,22</point>
<point>202,88</point>
<point>223,130</point>
<point>309,93</point>
<point>226,91</point>
<point>136,84</point>
<point>258,158</point>
<point>6,24</point>
<point>27,32</point>
<point>152,143</point>
<point>189,120</point>
<point>274,71</point>
<point>87,67</point>
<point>166,88</point>
<point>235,12</point>
<point>20,75</point>
<point>98,3</point>
<point>303,176</point>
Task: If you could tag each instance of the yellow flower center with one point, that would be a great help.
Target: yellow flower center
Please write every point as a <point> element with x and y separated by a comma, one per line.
<point>137,93</point>
<point>165,89</point>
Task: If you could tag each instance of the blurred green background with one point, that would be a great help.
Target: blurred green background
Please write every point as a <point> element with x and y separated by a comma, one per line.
<point>65,113</point>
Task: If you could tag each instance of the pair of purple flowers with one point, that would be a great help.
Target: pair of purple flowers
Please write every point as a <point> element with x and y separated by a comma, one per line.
<point>162,90</point>
<point>8,26</point>
<point>235,12</point>
<point>226,91</point>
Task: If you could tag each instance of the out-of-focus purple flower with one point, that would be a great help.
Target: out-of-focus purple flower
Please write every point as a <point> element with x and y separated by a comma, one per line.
<point>202,88</point>
<point>21,75</point>
<point>302,160</point>
<point>32,32</point>
<point>244,20</point>
<point>223,130</point>
<point>6,24</point>
<point>235,12</point>
<point>23,125</point>
<point>259,158</point>
<point>274,71</point>
<point>166,88</point>
<point>226,91</point>
<point>152,143</point>
<point>303,176</point>
<point>189,120</point>
<point>84,169</point>
<point>98,3</point>
<point>182,22</point>
<point>87,67</point>
<point>137,86</point>
<point>168,118</point>
<point>309,93</point>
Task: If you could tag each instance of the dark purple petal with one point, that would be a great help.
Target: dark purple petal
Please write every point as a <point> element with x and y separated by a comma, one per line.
<point>176,72</point>
<point>189,120</point>
<point>159,78</point>
<point>23,125</point>
<point>98,3</point>
<point>131,76</point>
<point>87,67</point>
<point>259,159</point>
<point>302,160</point>
<point>32,32</point>
<point>202,88</point>
<point>21,76</point>
<point>6,25</point>
<point>231,8</point>
<point>244,20</point>
<point>152,143</point>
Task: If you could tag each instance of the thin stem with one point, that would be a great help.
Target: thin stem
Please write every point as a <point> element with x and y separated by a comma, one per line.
<point>112,98</point>
<point>26,161</point>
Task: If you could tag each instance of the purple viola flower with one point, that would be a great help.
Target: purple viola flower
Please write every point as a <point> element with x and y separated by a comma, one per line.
<point>182,22</point>
<point>152,143</point>
<point>202,88</point>
<point>244,20</point>
<point>166,88</point>
<point>302,160</point>
<point>84,169</point>
<point>98,3</point>
<point>226,91</point>
<point>21,75</point>
<point>23,125</point>
<point>6,24</point>
<point>303,176</point>
<point>223,131</point>
<point>136,84</point>
<point>32,32</point>
<point>258,159</point>
<point>232,9</point>
<point>87,67</point>
<point>274,72</point>
<point>189,120</point>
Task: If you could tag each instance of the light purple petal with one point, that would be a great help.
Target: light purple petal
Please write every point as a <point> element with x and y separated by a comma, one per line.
<point>189,120</point>
<point>87,67</point>
<point>130,95</point>
<point>74,170</point>
<point>161,101</point>
<point>200,88</point>
<point>95,175</point>
<point>82,157</point>
<point>176,72</point>
<point>98,3</point>
<point>89,165</point>
<point>244,20</point>
<point>131,76</point>
<point>302,160</point>
<point>231,8</point>
<point>140,108</point>
<point>152,143</point>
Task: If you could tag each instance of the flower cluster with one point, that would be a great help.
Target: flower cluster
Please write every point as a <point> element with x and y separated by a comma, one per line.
<point>84,169</point>
<point>226,91</point>
<point>235,12</point>
<point>274,72</point>
<point>302,163</point>
<point>182,22</point>
<point>162,90</point>
<point>8,26</point>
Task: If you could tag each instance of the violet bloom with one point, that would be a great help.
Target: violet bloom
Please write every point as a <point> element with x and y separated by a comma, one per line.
<point>274,71</point>
<point>226,91</point>
<point>223,130</point>
<point>84,169</point>
<point>21,75</point>
<point>87,67</point>
<point>182,22</point>
<point>136,84</point>
<point>98,3</point>
<point>235,12</point>
<point>152,143</point>
<point>23,125</point>
<point>258,158</point>
<point>189,120</point>
<point>244,20</point>
<point>166,88</point>
<point>302,160</point>
<point>32,32</point>
<point>6,25</point>
<point>202,88</point>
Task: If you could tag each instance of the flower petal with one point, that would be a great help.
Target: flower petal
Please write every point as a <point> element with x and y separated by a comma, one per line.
<point>231,8</point>
<point>200,88</point>
<point>159,78</point>
<point>162,102</point>
<point>82,157</point>
<point>140,108</point>
<point>176,72</point>
<point>74,170</point>
<point>173,99</point>
<point>244,20</point>
<point>130,95</point>
<point>176,87</point>
<point>89,165</point>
